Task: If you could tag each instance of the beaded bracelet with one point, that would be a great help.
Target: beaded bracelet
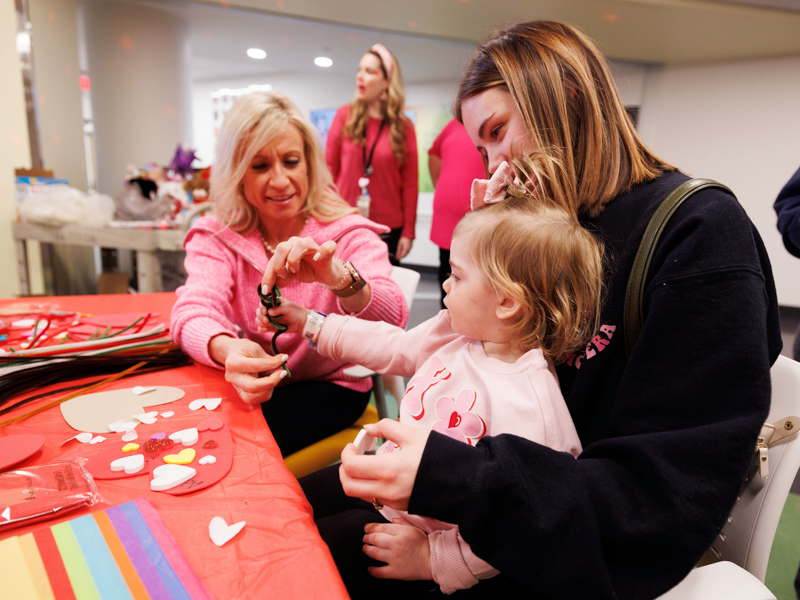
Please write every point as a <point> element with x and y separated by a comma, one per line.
<point>339,284</point>
<point>272,300</point>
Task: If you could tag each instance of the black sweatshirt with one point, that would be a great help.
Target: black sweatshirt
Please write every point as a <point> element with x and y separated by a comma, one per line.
<point>668,435</point>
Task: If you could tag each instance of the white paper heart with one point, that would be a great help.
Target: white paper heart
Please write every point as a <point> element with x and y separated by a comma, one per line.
<point>84,438</point>
<point>130,464</point>
<point>129,436</point>
<point>168,476</point>
<point>221,532</point>
<point>149,417</point>
<point>187,437</point>
<point>208,459</point>
<point>364,442</point>
<point>209,403</point>
<point>97,439</point>
<point>139,390</point>
<point>168,414</point>
<point>122,426</point>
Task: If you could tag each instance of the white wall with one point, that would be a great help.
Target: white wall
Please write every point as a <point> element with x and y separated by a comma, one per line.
<point>14,149</point>
<point>738,123</point>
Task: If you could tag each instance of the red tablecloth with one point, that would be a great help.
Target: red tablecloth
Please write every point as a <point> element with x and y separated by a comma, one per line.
<point>279,554</point>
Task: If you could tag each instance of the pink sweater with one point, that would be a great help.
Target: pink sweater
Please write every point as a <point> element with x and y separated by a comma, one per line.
<point>392,187</point>
<point>459,391</point>
<point>225,268</point>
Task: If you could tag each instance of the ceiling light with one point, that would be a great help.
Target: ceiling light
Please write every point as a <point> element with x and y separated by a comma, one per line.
<point>256,53</point>
<point>323,61</point>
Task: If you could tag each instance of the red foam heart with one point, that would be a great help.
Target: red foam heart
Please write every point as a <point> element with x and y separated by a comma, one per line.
<point>16,448</point>
<point>212,423</point>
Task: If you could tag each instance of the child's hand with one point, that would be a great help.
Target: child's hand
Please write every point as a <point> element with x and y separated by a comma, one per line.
<point>403,547</point>
<point>291,314</point>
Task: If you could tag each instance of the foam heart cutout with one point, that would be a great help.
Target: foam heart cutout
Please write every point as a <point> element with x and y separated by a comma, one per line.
<point>212,423</point>
<point>221,532</point>
<point>121,426</point>
<point>208,460</point>
<point>364,442</point>
<point>84,437</point>
<point>184,457</point>
<point>168,414</point>
<point>187,437</point>
<point>129,447</point>
<point>149,417</point>
<point>209,403</point>
<point>130,464</point>
<point>97,439</point>
<point>129,436</point>
<point>169,476</point>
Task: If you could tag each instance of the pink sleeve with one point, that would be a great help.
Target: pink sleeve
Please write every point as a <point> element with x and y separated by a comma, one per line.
<point>333,146</point>
<point>203,306</point>
<point>453,564</point>
<point>378,346</point>
<point>409,177</point>
<point>368,254</point>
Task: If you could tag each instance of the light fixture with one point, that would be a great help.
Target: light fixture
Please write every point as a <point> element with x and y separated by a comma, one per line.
<point>256,53</point>
<point>323,61</point>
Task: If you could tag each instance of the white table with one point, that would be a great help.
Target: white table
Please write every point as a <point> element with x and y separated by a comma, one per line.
<point>145,242</point>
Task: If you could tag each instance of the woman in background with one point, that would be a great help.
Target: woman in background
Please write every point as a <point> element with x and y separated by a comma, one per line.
<point>372,150</point>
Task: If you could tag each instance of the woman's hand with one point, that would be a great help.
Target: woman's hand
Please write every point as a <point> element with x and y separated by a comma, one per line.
<point>243,360</point>
<point>403,247</point>
<point>386,478</point>
<point>403,547</point>
<point>290,314</point>
<point>303,260</point>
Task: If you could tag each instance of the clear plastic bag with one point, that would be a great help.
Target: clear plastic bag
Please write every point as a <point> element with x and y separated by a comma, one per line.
<point>44,492</point>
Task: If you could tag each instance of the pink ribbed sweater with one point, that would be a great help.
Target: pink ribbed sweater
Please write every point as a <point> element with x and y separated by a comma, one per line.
<point>220,295</point>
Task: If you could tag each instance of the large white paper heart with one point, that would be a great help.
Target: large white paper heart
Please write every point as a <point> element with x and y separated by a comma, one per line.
<point>149,417</point>
<point>130,464</point>
<point>168,476</point>
<point>209,403</point>
<point>221,532</point>
<point>187,437</point>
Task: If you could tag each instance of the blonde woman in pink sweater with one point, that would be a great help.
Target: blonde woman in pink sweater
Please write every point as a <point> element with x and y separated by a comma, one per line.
<point>272,192</point>
<point>523,294</point>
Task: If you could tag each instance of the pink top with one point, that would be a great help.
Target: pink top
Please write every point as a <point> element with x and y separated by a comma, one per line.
<point>225,269</point>
<point>461,164</point>
<point>459,391</point>
<point>392,187</point>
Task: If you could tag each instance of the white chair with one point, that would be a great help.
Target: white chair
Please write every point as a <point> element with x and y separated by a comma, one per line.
<point>740,554</point>
<point>408,281</point>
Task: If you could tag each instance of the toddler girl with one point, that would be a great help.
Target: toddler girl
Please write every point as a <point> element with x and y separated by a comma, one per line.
<point>524,293</point>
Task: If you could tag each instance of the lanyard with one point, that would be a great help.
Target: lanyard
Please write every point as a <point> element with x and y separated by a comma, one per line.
<point>368,163</point>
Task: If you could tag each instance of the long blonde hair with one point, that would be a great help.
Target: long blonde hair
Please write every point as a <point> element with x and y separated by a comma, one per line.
<point>533,251</point>
<point>587,149</point>
<point>252,122</point>
<point>392,109</point>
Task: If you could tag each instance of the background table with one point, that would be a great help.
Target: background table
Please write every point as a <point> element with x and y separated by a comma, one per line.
<point>279,554</point>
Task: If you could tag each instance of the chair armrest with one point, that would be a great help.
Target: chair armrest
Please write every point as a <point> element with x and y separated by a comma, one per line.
<point>719,580</point>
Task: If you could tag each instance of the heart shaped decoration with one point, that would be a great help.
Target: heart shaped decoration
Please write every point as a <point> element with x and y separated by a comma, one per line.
<point>207,460</point>
<point>84,438</point>
<point>158,436</point>
<point>149,418</point>
<point>129,447</point>
<point>209,403</point>
<point>364,442</point>
<point>184,457</point>
<point>169,476</point>
<point>139,390</point>
<point>212,423</point>
<point>187,437</point>
<point>221,532</point>
<point>97,439</point>
<point>129,436</point>
<point>168,414</point>
<point>121,426</point>
<point>130,464</point>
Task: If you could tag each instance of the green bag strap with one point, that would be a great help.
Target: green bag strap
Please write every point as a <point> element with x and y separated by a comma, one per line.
<point>633,313</point>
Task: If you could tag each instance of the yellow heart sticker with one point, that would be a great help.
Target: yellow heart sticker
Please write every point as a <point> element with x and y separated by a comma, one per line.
<point>184,457</point>
<point>129,447</point>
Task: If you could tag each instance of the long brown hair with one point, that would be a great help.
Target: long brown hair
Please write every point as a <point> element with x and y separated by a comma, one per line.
<point>392,108</point>
<point>532,250</point>
<point>587,149</point>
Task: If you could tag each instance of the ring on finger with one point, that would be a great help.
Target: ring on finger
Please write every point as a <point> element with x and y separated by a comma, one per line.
<point>376,504</point>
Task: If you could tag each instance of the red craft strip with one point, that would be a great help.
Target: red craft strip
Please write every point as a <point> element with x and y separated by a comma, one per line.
<point>51,557</point>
